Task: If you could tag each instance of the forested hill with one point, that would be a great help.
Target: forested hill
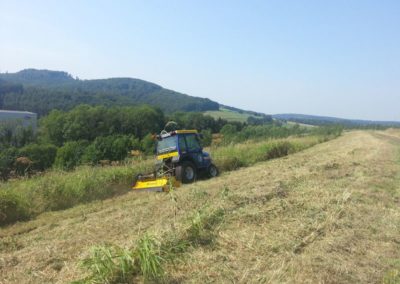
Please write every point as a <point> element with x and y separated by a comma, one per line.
<point>41,91</point>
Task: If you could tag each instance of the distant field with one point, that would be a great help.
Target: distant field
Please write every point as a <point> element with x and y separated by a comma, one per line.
<point>292,123</point>
<point>329,214</point>
<point>228,115</point>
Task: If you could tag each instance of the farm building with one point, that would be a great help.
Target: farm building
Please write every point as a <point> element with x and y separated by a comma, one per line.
<point>24,118</point>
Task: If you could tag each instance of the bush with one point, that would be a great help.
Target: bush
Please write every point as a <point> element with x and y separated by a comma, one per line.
<point>12,207</point>
<point>278,150</point>
<point>7,158</point>
<point>148,144</point>
<point>207,138</point>
<point>42,156</point>
<point>112,148</point>
<point>69,156</point>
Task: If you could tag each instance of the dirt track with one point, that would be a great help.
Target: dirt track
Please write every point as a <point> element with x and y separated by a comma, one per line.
<point>328,214</point>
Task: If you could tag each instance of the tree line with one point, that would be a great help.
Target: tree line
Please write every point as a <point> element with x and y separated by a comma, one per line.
<point>92,134</point>
<point>89,134</point>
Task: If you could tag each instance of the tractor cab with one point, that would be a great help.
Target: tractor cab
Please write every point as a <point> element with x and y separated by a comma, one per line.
<point>180,158</point>
<point>181,151</point>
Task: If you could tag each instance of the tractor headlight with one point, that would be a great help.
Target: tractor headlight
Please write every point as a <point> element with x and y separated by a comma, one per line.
<point>175,159</point>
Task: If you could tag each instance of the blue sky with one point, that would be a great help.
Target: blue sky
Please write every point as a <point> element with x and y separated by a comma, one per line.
<point>336,58</point>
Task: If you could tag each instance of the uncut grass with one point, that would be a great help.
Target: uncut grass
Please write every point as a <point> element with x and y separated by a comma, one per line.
<point>316,216</point>
<point>56,190</point>
<point>114,264</point>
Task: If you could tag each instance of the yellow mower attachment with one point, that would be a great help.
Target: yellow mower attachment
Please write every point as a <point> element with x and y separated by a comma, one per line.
<point>150,183</point>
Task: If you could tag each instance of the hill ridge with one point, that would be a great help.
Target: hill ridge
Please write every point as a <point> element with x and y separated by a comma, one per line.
<point>42,90</point>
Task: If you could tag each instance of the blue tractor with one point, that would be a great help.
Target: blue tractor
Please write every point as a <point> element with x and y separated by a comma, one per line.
<point>180,158</point>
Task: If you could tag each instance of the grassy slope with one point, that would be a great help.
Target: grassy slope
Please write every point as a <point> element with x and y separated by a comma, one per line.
<point>23,199</point>
<point>327,214</point>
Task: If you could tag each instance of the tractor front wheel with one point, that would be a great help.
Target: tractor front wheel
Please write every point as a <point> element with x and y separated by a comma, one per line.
<point>212,171</point>
<point>186,172</point>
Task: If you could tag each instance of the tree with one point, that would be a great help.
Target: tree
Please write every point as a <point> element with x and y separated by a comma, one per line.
<point>148,144</point>
<point>7,158</point>
<point>69,156</point>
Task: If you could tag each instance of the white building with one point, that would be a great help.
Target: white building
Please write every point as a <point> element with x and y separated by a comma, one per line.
<point>25,118</point>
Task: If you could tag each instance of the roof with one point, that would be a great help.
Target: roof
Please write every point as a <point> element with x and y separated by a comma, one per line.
<point>185,131</point>
<point>172,133</point>
<point>16,111</point>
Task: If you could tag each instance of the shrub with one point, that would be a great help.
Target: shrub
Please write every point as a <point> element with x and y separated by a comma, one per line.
<point>7,158</point>
<point>148,144</point>
<point>112,148</point>
<point>42,156</point>
<point>278,150</point>
<point>69,156</point>
<point>206,138</point>
<point>12,207</point>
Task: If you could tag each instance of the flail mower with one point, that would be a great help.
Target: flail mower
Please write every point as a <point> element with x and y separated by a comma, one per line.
<point>179,159</point>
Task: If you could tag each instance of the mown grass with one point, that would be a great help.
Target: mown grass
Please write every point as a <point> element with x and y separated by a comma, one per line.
<point>57,190</point>
<point>146,260</point>
<point>312,217</point>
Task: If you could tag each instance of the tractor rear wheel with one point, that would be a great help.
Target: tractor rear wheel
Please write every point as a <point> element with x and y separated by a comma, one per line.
<point>186,172</point>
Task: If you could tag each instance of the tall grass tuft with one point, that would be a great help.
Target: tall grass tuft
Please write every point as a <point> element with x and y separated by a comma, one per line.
<point>149,256</point>
<point>109,264</point>
<point>112,264</point>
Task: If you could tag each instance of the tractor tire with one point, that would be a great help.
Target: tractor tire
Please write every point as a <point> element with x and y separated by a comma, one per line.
<point>186,172</point>
<point>212,171</point>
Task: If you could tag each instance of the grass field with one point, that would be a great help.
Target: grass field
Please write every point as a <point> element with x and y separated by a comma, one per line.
<point>228,115</point>
<point>328,214</point>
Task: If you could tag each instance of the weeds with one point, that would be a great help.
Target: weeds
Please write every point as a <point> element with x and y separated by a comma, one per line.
<point>113,264</point>
<point>57,190</point>
<point>148,253</point>
<point>13,207</point>
<point>109,264</point>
